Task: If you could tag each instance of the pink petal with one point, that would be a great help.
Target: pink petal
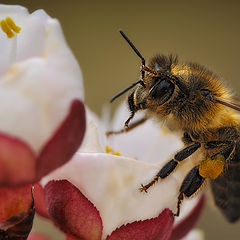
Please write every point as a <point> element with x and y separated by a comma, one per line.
<point>17,162</point>
<point>65,142</point>
<point>150,229</point>
<point>14,201</point>
<point>39,201</point>
<point>36,236</point>
<point>183,227</point>
<point>16,212</point>
<point>19,165</point>
<point>71,238</point>
<point>72,211</point>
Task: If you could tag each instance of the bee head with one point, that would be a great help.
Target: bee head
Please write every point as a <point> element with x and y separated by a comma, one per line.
<point>158,89</point>
<point>192,96</point>
<point>157,84</point>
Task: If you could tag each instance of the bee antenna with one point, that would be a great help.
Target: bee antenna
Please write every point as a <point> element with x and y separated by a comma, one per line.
<point>125,90</point>
<point>133,47</point>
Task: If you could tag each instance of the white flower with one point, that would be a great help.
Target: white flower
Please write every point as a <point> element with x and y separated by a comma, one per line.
<point>112,182</point>
<point>39,81</point>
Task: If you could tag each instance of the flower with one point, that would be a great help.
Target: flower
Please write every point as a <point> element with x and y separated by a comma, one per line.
<point>41,93</point>
<point>16,213</point>
<point>96,196</point>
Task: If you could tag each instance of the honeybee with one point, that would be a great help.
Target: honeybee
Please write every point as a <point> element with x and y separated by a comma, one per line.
<point>191,99</point>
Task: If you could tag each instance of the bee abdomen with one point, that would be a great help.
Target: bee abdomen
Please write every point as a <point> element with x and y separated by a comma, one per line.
<point>226,189</point>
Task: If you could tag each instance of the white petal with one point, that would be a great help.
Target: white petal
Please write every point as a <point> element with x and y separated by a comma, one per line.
<point>195,234</point>
<point>147,142</point>
<point>111,183</point>
<point>36,91</point>
<point>186,207</point>
<point>14,10</point>
<point>92,138</point>
<point>17,13</point>
<point>31,39</point>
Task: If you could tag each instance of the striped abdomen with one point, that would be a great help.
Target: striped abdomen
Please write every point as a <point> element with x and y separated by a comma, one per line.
<point>226,188</point>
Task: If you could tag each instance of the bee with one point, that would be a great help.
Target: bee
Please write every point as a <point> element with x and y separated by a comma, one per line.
<point>193,100</point>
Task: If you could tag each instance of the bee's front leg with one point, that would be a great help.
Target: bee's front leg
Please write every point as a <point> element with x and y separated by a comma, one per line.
<point>127,127</point>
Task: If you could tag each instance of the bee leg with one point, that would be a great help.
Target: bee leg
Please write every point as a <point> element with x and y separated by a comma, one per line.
<point>226,152</point>
<point>168,168</point>
<point>180,199</point>
<point>218,144</point>
<point>126,129</point>
<point>191,183</point>
<point>129,119</point>
<point>198,174</point>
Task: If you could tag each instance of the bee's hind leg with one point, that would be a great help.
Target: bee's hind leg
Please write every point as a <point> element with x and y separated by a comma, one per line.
<point>127,127</point>
<point>195,178</point>
<point>191,183</point>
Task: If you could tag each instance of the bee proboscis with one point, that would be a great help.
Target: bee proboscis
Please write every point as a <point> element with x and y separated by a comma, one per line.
<point>193,100</point>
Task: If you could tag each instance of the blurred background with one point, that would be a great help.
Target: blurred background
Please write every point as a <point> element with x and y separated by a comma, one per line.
<point>207,32</point>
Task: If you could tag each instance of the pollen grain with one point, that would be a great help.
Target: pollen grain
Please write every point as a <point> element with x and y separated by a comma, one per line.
<point>110,150</point>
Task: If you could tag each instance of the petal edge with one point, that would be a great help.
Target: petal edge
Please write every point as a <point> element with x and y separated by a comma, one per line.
<point>151,229</point>
<point>65,142</point>
<point>72,211</point>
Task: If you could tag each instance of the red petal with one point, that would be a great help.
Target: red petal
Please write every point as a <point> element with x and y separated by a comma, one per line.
<point>72,211</point>
<point>16,212</point>
<point>65,142</point>
<point>39,201</point>
<point>71,238</point>
<point>183,227</point>
<point>36,236</point>
<point>14,201</point>
<point>150,229</point>
<point>17,162</point>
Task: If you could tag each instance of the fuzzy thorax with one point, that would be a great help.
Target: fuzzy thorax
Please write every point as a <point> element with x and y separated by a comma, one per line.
<point>195,112</point>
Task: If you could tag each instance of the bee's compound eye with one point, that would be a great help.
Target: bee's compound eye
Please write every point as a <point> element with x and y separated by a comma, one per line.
<point>162,90</point>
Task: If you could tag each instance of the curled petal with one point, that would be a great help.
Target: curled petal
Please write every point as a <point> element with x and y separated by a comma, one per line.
<point>39,201</point>
<point>65,141</point>
<point>71,211</point>
<point>71,238</point>
<point>14,201</point>
<point>17,161</point>
<point>17,213</point>
<point>151,229</point>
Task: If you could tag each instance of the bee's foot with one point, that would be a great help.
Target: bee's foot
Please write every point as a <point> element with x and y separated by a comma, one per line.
<point>143,188</point>
<point>176,214</point>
